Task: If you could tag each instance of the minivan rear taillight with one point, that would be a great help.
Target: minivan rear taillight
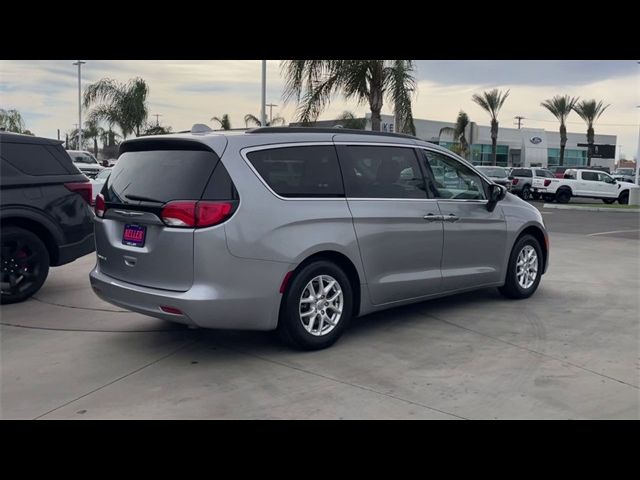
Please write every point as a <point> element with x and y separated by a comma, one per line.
<point>100,206</point>
<point>81,188</point>
<point>194,214</point>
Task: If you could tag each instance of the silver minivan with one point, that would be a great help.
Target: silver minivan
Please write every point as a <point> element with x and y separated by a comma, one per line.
<point>302,229</point>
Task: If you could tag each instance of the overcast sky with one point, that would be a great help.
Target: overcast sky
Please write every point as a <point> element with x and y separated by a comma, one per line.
<point>188,92</point>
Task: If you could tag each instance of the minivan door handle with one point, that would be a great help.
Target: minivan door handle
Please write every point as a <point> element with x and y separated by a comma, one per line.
<point>451,218</point>
<point>433,218</point>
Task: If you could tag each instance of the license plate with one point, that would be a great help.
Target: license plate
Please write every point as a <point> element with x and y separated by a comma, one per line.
<point>133,235</point>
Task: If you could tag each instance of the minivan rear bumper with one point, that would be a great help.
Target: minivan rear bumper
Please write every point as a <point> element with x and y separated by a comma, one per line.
<point>210,305</point>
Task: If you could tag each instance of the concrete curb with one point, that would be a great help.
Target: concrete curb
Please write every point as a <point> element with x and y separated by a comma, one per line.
<point>592,209</point>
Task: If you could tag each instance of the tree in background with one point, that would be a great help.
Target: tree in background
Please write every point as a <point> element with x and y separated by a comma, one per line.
<point>11,121</point>
<point>348,120</point>
<point>590,111</point>
<point>492,102</point>
<point>248,118</point>
<point>560,107</point>
<point>224,121</point>
<point>462,146</point>
<point>121,104</point>
<point>313,83</point>
<point>156,130</point>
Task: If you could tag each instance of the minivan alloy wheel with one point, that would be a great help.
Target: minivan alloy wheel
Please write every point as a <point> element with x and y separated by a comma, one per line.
<point>320,305</point>
<point>527,266</point>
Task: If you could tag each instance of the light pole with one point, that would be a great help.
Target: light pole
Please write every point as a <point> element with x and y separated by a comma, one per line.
<point>263,112</point>
<point>79,63</point>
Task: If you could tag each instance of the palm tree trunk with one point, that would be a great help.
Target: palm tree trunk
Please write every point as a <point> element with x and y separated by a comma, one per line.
<point>375,95</point>
<point>95,146</point>
<point>494,142</point>
<point>563,143</point>
<point>590,140</point>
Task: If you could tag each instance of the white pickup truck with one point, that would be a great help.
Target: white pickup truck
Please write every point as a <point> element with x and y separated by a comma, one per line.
<point>588,184</point>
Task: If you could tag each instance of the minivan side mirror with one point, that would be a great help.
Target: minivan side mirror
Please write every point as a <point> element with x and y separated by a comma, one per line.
<point>496,193</point>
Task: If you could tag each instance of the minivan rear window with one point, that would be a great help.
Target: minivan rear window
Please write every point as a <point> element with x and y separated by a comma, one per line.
<point>301,171</point>
<point>159,176</point>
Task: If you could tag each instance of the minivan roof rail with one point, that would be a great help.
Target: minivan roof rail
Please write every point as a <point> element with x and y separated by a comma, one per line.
<point>327,130</point>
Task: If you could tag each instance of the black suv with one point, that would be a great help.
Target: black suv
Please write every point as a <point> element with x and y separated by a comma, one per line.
<point>45,218</point>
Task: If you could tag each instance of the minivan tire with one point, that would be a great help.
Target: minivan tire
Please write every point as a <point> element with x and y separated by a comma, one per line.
<point>290,326</point>
<point>511,287</point>
<point>15,241</point>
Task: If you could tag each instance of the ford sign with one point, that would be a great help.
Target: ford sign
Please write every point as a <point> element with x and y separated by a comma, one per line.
<point>535,140</point>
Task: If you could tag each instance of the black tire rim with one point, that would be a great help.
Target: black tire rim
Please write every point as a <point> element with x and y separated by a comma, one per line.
<point>20,266</point>
<point>526,193</point>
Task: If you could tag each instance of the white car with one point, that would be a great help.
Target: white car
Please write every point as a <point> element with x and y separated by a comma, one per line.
<point>98,182</point>
<point>86,162</point>
<point>589,184</point>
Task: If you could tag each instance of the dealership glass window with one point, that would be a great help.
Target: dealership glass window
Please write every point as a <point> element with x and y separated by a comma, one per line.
<point>481,154</point>
<point>571,157</point>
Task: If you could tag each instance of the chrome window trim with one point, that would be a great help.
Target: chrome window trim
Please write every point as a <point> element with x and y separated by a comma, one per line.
<point>247,150</point>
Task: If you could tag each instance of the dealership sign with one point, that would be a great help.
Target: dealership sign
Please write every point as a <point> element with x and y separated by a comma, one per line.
<point>535,140</point>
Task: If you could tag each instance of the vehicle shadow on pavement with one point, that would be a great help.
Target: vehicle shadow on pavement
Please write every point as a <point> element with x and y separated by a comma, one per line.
<point>362,328</point>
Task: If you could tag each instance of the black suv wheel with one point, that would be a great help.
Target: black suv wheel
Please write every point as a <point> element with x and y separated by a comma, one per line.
<point>24,264</point>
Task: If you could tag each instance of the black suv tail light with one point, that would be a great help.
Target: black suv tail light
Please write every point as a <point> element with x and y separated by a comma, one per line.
<point>83,189</point>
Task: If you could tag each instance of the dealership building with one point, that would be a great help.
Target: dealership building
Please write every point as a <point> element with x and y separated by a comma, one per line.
<point>524,147</point>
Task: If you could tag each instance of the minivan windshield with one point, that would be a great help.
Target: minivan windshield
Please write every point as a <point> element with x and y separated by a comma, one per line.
<point>160,176</point>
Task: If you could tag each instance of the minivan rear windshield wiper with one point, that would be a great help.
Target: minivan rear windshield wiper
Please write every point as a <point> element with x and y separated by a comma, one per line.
<point>143,199</point>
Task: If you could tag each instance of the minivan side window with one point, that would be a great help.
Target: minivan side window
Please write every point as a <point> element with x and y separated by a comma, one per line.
<point>300,171</point>
<point>381,172</point>
<point>453,179</point>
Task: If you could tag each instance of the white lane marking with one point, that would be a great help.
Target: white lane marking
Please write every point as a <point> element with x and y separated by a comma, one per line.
<point>615,231</point>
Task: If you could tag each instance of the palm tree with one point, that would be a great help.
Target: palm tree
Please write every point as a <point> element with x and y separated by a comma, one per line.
<point>590,111</point>
<point>462,122</point>
<point>561,107</point>
<point>109,138</point>
<point>11,121</point>
<point>349,120</point>
<point>313,83</point>
<point>492,102</point>
<point>92,131</point>
<point>156,130</point>
<point>224,121</point>
<point>248,118</point>
<point>121,104</point>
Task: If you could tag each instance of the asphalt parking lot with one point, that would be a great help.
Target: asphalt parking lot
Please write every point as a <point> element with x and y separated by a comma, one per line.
<point>569,352</point>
